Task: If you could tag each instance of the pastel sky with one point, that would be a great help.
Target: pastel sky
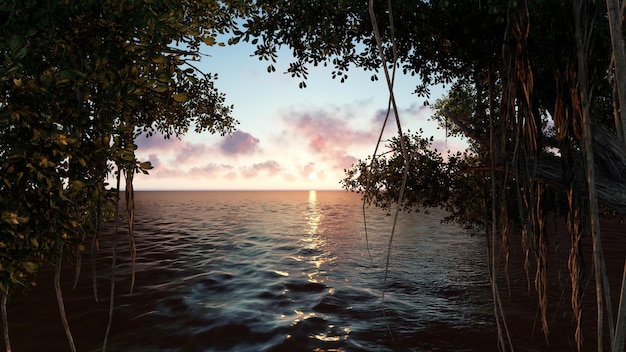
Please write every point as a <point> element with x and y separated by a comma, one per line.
<point>288,138</point>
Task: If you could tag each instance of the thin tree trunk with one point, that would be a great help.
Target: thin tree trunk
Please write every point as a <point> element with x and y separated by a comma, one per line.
<point>94,249</point>
<point>617,41</point>
<point>615,13</point>
<point>79,264</point>
<point>620,328</point>
<point>583,25</point>
<point>130,213</point>
<point>94,280</point>
<point>398,124</point>
<point>495,226</point>
<point>113,262</point>
<point>59,294</point>
<point>5,323</point>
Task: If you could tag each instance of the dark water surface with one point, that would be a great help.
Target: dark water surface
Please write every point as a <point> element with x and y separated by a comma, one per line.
<point>274,271</point>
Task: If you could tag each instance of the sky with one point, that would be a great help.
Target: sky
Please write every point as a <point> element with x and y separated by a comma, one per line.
<point>287,138</point>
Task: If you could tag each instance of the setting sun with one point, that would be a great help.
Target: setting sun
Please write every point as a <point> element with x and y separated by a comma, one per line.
<point>312,176</point>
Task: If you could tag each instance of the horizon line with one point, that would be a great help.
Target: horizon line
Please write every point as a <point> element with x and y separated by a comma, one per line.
<point>240,190</point>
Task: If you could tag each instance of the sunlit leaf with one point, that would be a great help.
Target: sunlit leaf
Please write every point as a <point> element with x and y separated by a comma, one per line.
<point>208,40</point>
<point>160,59</point>
<point>161,88</point>
<point>31,267</point>
<point>146,165</point>
<point>181,97</point>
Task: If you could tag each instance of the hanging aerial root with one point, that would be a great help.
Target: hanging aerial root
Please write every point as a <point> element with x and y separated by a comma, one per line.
<point>576,269</point>
<point>94,252</point>
<point>399,126</point>
<point>59,295</point>
<point>130,212</point>
<point>113,263</point>
<point>5,322</point>
<point>541,278</point>
<point>79,262</point>
<point>620,327</point>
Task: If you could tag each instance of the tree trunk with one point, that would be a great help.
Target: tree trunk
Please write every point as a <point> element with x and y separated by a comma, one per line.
<point>59,295</point>
<point>620,328</point>
<point>5,322</point>
<point>617,41</point>
<point>583,27</point>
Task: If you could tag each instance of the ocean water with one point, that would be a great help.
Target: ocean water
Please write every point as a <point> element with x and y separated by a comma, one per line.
<point>274,271</point>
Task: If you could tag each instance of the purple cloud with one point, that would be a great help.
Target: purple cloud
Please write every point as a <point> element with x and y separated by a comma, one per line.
<point>239,143</point>
<point>207,170</point>
<point>154,160</point>
<point>191,151</point>
<point>158,142</point>
<point>415,111</point>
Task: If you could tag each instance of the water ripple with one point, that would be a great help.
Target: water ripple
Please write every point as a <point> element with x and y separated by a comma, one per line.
<point>263,271</point>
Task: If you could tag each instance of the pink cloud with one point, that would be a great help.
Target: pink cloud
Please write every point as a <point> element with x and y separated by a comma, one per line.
<point>160,170</point>
<point>207,170</point>
<point>329,137</point>
<point>318,143</point>
<point>323,132</point>
<point>344,161</point>
<point>307,169</point>
<point>268,168</point>
<point>179,150</point>
<point>191,151</point>
<point>210,170</point>
<point>239,143</point>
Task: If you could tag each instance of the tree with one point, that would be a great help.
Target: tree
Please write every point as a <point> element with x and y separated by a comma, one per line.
<point>79,80</point>
<point>528,79</point>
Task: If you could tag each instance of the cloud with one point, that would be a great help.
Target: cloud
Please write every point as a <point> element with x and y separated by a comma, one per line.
<point>330,136</point>
<point>154,160</point>
<point>183,152</point>
<point>413,112</point>
<point>239,143</point>
<point>206,170</point>
<point>323,140</point>
<point>268,168</point>
<point>323,132</point>
<point>306,170</point>
<point>210,170</point>
<point>160,170</point>
<point>179,152</point>
<point>345,161</point>
<point>192,151</point>
<point>158,142</point>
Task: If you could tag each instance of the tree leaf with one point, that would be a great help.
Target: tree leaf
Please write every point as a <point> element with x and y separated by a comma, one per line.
<point>146,165</point>
<point>210,41</point>
<point>31,267</point>
<point>181,97</point>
